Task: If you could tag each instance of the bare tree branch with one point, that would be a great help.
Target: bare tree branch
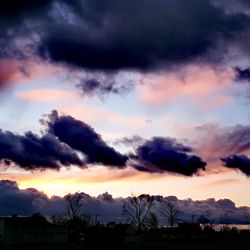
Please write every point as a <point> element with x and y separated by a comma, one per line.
<point>169,210</point>
<point>74,204</point>
<point>138,208</point>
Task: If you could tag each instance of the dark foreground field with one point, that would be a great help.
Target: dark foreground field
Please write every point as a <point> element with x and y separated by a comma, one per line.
<point>151,240</point>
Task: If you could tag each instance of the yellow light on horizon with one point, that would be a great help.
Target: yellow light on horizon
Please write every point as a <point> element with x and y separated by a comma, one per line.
<point>121,183</point>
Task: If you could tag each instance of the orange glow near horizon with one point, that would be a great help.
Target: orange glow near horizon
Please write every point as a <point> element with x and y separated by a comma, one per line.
<point>122,183</point>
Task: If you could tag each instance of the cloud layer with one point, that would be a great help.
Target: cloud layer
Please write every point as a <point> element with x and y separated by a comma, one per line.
<point>67,141</point>
<point>155,34</point>
<point>14,200</point>
<point>166,154</point>
<point>203,85</point>
<point>31,151</point>
<point>82,137</point>
<point>241,162</point>
<point>214,142</point>
<point>111,36</point>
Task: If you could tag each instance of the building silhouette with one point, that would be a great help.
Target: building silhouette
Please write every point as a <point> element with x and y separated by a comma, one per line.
<point>34,229</point>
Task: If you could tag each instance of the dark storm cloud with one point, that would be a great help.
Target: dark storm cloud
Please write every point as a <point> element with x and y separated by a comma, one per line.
<point>93,85</point>
<point>241,162</point>
<point>14,200</point>
<point>14,13</point>
<point>33,152</point>
<point>64,135</point>
<point>233,6</point>
<point>14,8</point>
<point>167,155</point>
<point>156,155</point>
<point>111,34</point>
<point>117,35</point>
<point>17,20</point>
<point>100,84</point>
<point>242,74</point>
<point>82,137</point>
<point>140,34</point>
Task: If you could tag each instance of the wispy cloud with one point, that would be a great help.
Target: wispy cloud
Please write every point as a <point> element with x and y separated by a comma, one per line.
<point>46,95</point>
<point>203,85</point>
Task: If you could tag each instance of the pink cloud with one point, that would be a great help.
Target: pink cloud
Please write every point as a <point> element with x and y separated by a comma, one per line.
<point>22,72</point>
<point>10,73</point>
<point>214,142</point>
<point>46,95</point>
<point>198,83</point>
<point>96,115</point>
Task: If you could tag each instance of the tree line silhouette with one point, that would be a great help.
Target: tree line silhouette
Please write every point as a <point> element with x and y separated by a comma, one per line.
<point>141,228</point>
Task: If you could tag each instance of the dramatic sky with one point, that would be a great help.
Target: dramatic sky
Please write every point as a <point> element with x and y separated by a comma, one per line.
<point>125,96</point>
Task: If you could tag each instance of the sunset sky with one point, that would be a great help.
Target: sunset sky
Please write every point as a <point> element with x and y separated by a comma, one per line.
<point>140,96</point>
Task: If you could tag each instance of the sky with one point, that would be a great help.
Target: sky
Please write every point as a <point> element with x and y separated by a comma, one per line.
<point>126,97</point>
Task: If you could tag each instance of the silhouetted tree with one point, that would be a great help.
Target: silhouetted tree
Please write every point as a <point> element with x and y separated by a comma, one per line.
<point>74,205</point>
<point>152,221</point>
<point>58,220</point>
<point>169,210</point>
<point>138,209</point>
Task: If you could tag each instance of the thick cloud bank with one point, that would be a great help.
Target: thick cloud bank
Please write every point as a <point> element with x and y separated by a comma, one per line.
<point>241,162</point>
<point>242,74</point>
<point>140,34</point>
<point>32,152</point>
<point>67,141</point>
<point>82,137</point>
<point>14,200</point>
<point>166,154</point>
<point>118,35</point>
